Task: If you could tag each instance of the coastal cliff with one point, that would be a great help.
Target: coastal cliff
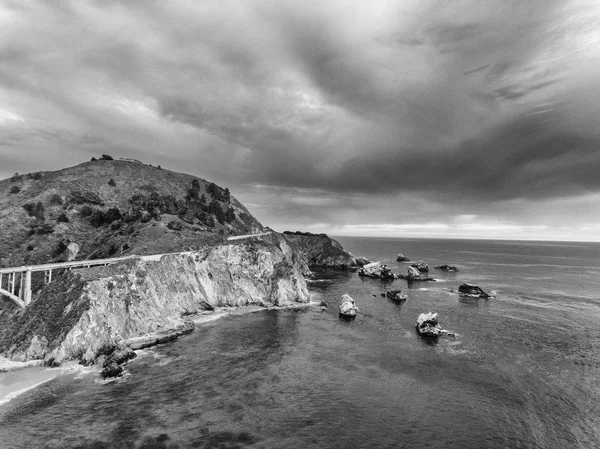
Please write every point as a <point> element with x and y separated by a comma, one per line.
<point>83,313</point>
<point>321,250</point>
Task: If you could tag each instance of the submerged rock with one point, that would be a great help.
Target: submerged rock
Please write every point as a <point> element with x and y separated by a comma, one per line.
<point>348,307</point>
<point>396,295</point>
<point>449,268</point>
<point>421,266</point>
<point>473,290</point>
<point>376,270</point>
<point>428,326</point>
<point>402,258</point>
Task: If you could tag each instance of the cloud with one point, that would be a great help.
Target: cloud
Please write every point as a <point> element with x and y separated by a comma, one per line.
<point>455,104</point>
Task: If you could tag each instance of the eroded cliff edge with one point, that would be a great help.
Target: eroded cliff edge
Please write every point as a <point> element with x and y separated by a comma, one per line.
<point>79,315</point>
<point>320,250</point>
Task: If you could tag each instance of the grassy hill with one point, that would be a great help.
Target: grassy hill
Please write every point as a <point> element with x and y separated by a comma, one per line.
<point>109,208</point>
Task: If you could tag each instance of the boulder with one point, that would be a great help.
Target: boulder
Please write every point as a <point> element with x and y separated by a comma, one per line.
<point>412,274</point>
<point>421,266</point>
<point>402,258</point>
<point>428,326</point>
<point>362,261</point>
<point>376,270</point>
<point>348,307</point>
<point>120,356</point>
<point>112,370</point>
<point>449,268</point>
<point>72,251</point>
<point>473,290</point>
<point>396,295</point>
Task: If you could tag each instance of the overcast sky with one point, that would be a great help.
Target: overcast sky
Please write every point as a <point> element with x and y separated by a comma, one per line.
<point>475,118</point>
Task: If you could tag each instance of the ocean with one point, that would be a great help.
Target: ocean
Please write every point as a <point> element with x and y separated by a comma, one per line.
<point>523,370</point>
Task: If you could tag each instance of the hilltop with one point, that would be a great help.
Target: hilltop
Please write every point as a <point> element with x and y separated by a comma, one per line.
<point>108,208</point>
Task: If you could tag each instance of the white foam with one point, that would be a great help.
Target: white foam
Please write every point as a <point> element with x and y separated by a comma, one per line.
<point>10,396</point>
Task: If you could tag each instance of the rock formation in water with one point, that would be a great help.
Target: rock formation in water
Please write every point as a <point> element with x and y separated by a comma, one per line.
<point>421,266</point>
<point>428,326</point>
<point>362,261</point>
<point>473,290</point>
<point>376,270</point>
<point>402,258</point>
<point>449,268</point>
<point>412,274</point>
<point>320,250</point>
<point>396,295</point>
<point>347,306</point>
<point>82,313</point>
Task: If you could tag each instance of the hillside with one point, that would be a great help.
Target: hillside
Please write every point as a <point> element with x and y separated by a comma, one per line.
<point>106,208</point>
<point>320,250</point>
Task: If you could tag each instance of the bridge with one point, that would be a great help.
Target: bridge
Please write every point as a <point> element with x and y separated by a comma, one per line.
<point>15,282</point>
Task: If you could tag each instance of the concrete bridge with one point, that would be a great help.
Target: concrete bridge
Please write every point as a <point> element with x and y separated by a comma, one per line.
<point>15,282</point>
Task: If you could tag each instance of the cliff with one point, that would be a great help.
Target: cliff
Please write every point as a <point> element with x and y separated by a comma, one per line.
<point>85,312</point>
<point>320,250</point>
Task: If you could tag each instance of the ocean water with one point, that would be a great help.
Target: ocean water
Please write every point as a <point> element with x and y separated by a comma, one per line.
<point>523,370</point>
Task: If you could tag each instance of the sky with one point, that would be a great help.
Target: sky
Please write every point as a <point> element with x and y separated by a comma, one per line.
<point>457,119</point>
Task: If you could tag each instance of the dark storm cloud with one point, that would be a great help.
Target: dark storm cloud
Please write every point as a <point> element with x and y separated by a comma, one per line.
<point>459,101</point>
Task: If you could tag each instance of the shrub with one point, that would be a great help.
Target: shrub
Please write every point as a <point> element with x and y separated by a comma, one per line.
<point>159,167</point>
<point>56,199</point>
<point>86,211</point>
<point>15,189</point>
<point>85,197</point>
<point>29,247</point>
<point>16,177</point>
<point>45,228</point>
<point>175,225</point>
<point>35,210</point>
<point>93,159</point>
<point>112,182</point>
<point>106,157</point>
<point>62,218</point>
<point>37,175</point>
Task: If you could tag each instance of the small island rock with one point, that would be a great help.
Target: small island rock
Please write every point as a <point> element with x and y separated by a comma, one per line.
<point>402,258</point>
<point>412,274</point>
<point>376,270</point>
<point>348,307</point>
<point>396,295</point>
<point>428,326</point>
<point>421,266</point>
<point>473,290</point>
<point>449,268</point>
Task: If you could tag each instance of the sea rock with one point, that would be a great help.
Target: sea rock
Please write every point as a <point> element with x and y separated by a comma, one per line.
<point>402,258</point>
<point>449,268</point>
<point>428,326</point>
<point>120,356</point>
<point>111,370</point>
<point>412,274</point>
<point>348,307</point>
<point>396,295</point>
<point>421,266</point>
<point>72,251</point>
<point>376,270</point>
<point>473,290</point>
<point>362,261</point>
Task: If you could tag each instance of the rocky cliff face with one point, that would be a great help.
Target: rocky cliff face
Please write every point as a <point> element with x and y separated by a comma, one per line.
<point>321,250</point>
<point>82,313</point>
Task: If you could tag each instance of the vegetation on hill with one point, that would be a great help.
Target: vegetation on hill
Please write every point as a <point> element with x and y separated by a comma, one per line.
<point>108,207</point>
